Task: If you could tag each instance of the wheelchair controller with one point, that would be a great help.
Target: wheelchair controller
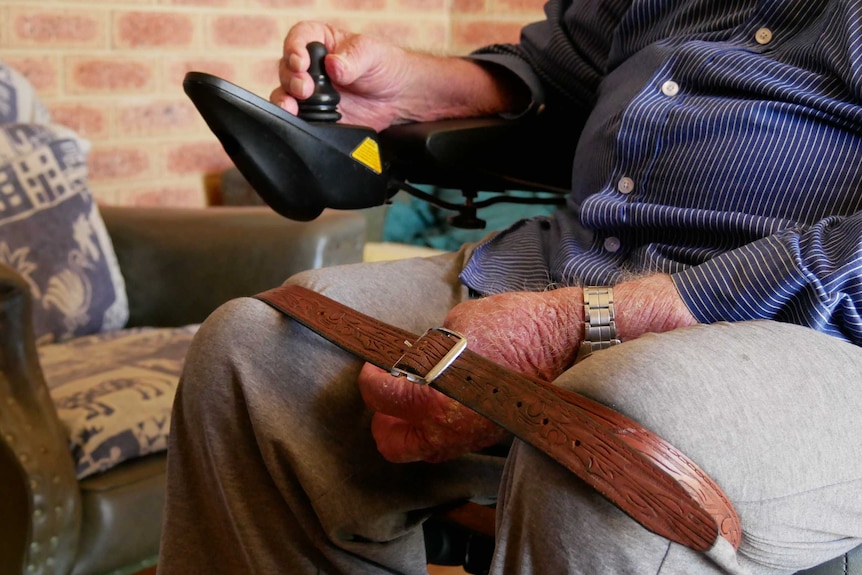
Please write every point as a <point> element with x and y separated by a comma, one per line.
<point>299,165</point>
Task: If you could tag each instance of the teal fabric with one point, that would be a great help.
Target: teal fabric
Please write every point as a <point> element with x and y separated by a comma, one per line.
<point>413,221</point>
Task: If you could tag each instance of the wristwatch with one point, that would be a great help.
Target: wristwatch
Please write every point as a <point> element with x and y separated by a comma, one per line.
<point>600,329</point>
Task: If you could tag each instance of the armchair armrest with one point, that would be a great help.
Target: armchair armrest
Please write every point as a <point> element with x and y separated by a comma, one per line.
<point>179,264</point>
<point>39,498</point>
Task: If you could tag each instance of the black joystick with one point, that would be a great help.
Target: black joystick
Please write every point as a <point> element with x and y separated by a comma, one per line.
<point>322,105</point>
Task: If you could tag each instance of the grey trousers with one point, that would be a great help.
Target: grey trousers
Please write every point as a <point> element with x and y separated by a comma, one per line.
<point>272,468</point>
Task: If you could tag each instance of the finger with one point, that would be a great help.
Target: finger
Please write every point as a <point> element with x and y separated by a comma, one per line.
<point>281,99</point>
<point>396,396</point>
<point>400,441</point>
<point>298,38</point>
<point>397,440</point>
<point>297,85</point>
<point>295,48</point>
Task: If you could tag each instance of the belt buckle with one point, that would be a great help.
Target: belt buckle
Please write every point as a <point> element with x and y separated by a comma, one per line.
<point>440,367</point>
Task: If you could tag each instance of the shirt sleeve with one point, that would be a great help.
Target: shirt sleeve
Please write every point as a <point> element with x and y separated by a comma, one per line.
<point>809,276</point>
<point>564,57</point>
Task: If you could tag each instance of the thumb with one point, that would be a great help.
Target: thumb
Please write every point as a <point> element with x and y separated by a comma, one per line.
<point>339,69</point>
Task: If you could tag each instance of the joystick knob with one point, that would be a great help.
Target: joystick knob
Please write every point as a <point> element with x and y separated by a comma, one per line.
<point>322,105</point>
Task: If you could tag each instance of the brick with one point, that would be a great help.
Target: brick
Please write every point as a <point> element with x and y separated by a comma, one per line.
<point>422,5</point>
<point>113,3</point>
<point>41,71</point>
<point>350,23</point>
<point>156,118</point>
<point>392,30</point>
<point>282,3</point>
<point>88,121</point>
<point>510,7</point>
<point>110,75</point>
<point>240,31</point>
<point>468,6</point>
<point>153,29</point>
<point>171,194</point>
<point>474,34</point>
<point>197,157</point>
<point>359,5</point>
<point>416,35</point>
<point>57,28</point>
<point>114,162</point>
<point>204,2</point>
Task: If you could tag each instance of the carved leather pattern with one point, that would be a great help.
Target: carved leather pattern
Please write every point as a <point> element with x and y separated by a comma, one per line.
<point>638,471</point>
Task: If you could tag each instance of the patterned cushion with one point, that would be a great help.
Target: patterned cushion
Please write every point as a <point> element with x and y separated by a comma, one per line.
<point>114,392</point>
<point>51,232</point>
<point>18,100</point>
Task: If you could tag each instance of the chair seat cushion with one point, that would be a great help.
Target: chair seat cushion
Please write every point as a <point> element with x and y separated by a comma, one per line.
<point>114,392</point>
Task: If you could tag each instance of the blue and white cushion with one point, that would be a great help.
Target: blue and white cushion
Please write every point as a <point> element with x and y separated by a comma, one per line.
<point>51,231</point>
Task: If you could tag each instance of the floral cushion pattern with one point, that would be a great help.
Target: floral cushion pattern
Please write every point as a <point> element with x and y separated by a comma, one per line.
<point>114,391</point>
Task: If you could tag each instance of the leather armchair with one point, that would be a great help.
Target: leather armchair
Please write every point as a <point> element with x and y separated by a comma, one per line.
<point>178,265</point>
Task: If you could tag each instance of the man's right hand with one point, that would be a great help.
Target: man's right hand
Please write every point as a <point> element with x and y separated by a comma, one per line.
<point>381,84</point>
<point>368,74</point>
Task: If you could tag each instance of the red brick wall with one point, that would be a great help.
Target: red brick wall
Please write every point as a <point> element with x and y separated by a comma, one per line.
<point>113,69</point>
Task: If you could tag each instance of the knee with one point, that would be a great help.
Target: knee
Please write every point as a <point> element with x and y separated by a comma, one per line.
<point>236,333</point>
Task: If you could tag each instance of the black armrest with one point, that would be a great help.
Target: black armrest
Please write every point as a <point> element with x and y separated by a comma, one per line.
<point>482,154</point>
<point>179,264</point>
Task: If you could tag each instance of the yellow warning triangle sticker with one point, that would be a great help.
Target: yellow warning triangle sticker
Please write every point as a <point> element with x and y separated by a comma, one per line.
<point>367,153</point>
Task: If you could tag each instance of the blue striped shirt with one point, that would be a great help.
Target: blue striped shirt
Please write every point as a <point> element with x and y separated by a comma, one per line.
<point>722,145</point>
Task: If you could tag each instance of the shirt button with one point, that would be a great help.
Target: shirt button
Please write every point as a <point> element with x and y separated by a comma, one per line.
<point>763,36</point>
<point>612,244</point>
<point>626,185</point>
<point>670,88</point>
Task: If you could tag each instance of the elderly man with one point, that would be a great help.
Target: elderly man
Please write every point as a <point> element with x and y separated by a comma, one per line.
<point>716,191</point>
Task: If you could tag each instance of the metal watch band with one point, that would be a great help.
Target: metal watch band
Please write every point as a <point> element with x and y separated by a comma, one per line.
<point>600,329</point>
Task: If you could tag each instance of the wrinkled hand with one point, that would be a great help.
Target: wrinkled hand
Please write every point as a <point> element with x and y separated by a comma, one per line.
<point>537,334</point>
<point>382,84</point>
<point>533,333</point>
<point>367,73</point>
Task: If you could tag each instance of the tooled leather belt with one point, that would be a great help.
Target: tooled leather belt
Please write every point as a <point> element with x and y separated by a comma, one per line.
<point>635,469</point>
